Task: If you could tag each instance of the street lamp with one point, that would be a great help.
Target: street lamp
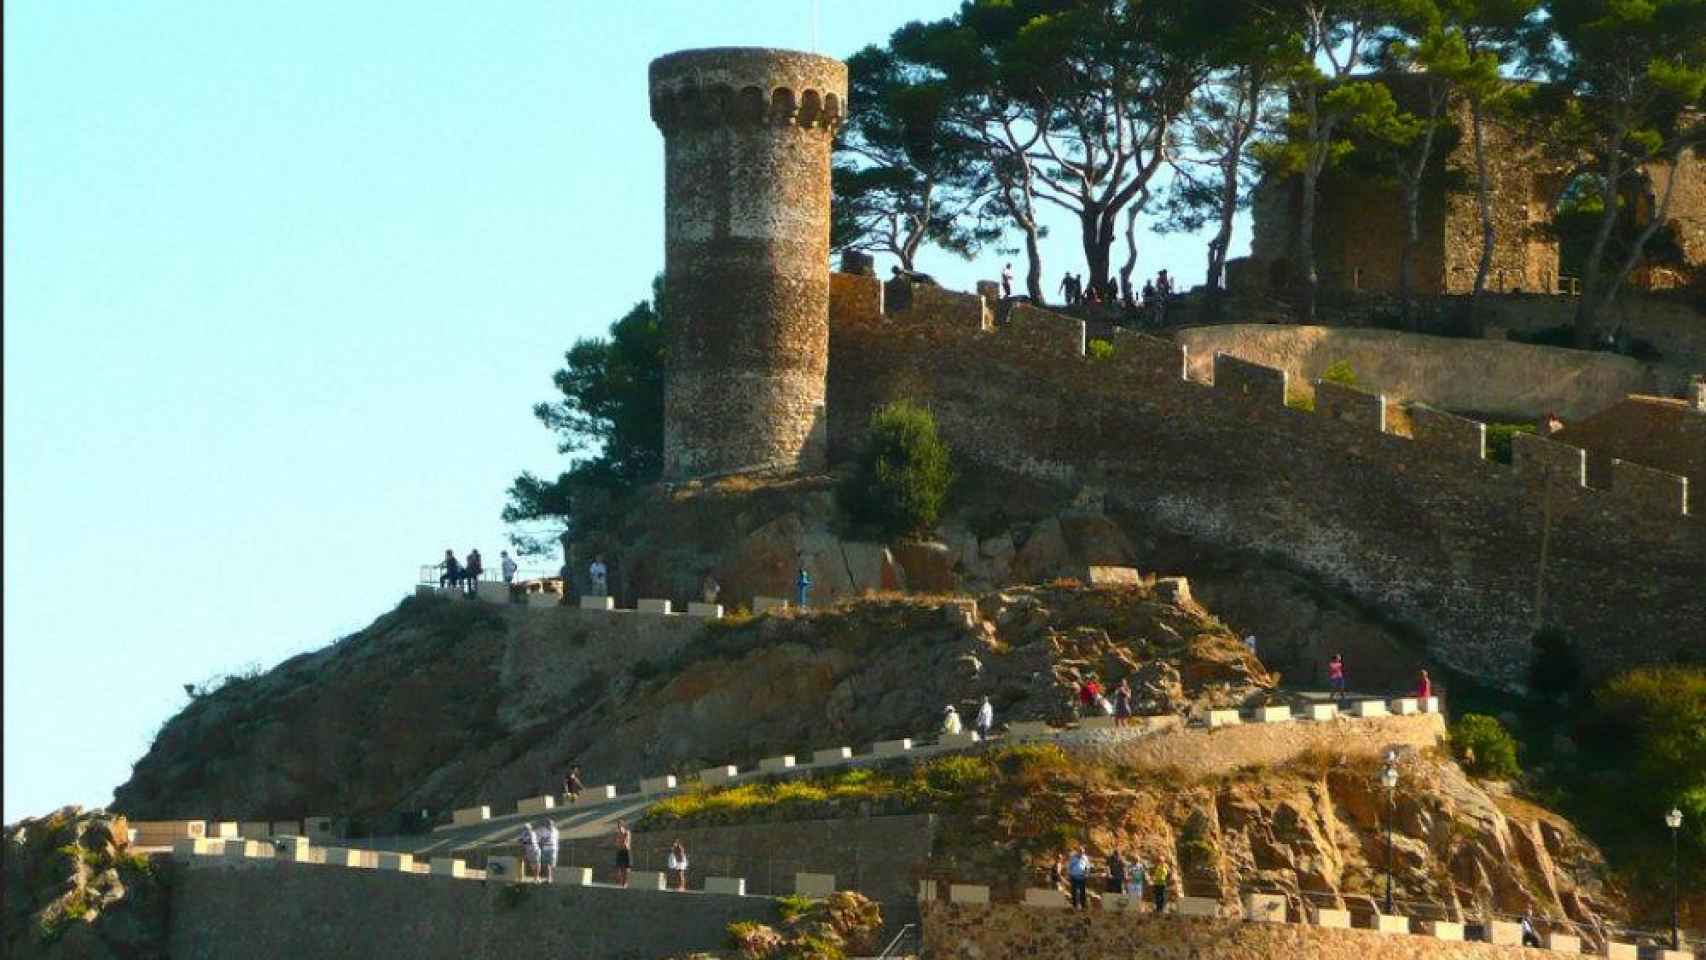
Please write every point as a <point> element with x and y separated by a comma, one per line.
<point>1389,779</point>
<point>1673,820</point>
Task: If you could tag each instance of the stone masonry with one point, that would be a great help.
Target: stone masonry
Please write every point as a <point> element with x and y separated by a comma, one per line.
<point>747,135</point>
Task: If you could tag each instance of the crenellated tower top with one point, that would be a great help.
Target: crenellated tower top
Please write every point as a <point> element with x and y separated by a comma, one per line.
<point>748,86</point>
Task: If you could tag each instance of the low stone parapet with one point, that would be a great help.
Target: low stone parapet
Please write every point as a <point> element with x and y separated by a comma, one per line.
<point>832,755</point>
<point>718,776</point>
<point>648,880</point>
<point>1504,933</point>
<point>1096,722</point>
<point>1443,929</point>
<point>504,869</point>
<point>1048,897</point>
<point>606,792</point>
<point>536,804</point>
<point>317,828</point>
<point>956,740</point>
<point>1224,718</point>
<point>651,785</point>
<point>776,764</point>
<point>247,849</point>
<point>254,829</point>
<point>404,862</point>
<point>196,847</point>
<point>347,857</point>
<point>1405,706</point>
<point>1430,704</point>
<point>574,876</point>
<point>1333,919</point>
<point>1198,907</point>
<point>892,748</point>
<point>597,603</point>
<point>448,867</point>
<point>222,830</point>
<point>1612,950</point>
<point>734,886</point>
<point>1369,708</point>
<point>1323,711</point>
<point>1265,907</point>
<point>1029,728</point>
<point>814,884</point>
<point>649,605</point>
<point>710,611</point>
<point>492,591</point>
<point>766,604</point>
<point>469,816</point>
<point>1273,714</point>
<point>1673,955</point>
<point>1122,902</point>
<point>1390,923</point>
<point>1562,942</point>
<point>544,600</point>
<point>967,893</point>
<point>296,849</point>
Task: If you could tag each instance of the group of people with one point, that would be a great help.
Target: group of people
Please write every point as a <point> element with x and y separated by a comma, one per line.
<point>1124,876</point>
<point>983,723</point>
<point>463,574</point>
<point>1152,298</point>
<point>1092,700</point>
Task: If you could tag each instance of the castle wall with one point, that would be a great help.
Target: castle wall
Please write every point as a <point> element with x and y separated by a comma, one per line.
<point>272,908</point>
<point>747,137</point>
<point>1419,529</point>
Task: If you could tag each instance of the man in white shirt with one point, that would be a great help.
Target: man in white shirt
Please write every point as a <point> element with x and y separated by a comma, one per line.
<point>985,719</point>
<point>507,565</point>
<point>1007,280</point>
<point>529,852</point>
<point>599,576</point>
<point>548,837</point>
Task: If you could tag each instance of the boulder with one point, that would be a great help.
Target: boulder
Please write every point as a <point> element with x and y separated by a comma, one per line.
<point>1044,556</point>
<point>929,566</point>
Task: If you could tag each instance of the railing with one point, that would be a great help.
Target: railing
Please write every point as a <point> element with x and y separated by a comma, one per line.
<point>430,574</point>
<point>908,935</point>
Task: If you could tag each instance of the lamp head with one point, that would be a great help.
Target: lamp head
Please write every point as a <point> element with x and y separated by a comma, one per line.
<point>1673,819</point>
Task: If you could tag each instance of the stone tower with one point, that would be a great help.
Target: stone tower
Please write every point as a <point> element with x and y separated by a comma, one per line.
<point>746,238</point>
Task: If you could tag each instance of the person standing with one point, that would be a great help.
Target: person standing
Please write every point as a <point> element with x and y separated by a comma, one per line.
<point>1007,280</point>
<point>710,589</point>
<point>677,865</point>
<point>548,837</point>
<point>803,584</point>
<point>529,852</point>
<point>1336,676</point>
<point>472,569</point>
<point>1158,885</point>
<point>1250,644</point>
<point>507,565</point>
<point>1424,687</point>
<point>600,577</point>
<point>1122,704</point>
<point>1088,694</point>
<point>624,852</point>
<point>1078,875</point>
<point>1066,288</point>
<point>1134,882</point>
<point>452,567</point>
<point>985,719</point>
<point>572,784</point>
<point>1057,873</point>
<point>1116,872</point>
<point>950,720</point>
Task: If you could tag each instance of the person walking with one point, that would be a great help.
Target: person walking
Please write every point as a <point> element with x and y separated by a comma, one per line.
<point>950,721</point>
<point>1078,876</point>
<point>452,567</point>
<point>1116,872</point>
<point>529,852</point>
<point>599,574</point>
<point>1336,676</point>
<point>572,784</point>
<point>1066,288</point>
<point>677,865</point>
<point>548,837</point>
<point>472,569</point>
<point>1007,280</point>
<point>803,584</point>
<point>507,565</point>
<point>985,720</point>
<point>1158,885</point>
<point>1122,704</point>
<point>624,852</point>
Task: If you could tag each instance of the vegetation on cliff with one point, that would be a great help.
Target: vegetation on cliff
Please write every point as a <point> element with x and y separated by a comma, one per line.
<point>74,889</point>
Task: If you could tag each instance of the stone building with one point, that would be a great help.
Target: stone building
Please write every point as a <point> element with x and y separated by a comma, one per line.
<point>1360,221</point>
<point>747,136</point>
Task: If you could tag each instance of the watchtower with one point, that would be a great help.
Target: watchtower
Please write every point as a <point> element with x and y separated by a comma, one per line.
<point>747,136</point>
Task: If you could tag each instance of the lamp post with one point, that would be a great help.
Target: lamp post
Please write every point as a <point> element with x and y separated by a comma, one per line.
<point>1389,779</point>
<point>1673,820</point>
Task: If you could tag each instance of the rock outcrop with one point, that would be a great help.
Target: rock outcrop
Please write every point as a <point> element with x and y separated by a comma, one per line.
<point>75,890</point>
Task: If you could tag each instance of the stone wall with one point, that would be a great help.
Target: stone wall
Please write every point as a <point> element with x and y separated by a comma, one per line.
<point>1003,931</point>
<point>246,909</point>
<point>1494,378</point>
<point>747,136</point>
<point>1448,543</point>
<point>1220,751</point>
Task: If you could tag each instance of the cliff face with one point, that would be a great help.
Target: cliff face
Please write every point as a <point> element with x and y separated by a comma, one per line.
<point>446,703</point>
<point>74,889</point>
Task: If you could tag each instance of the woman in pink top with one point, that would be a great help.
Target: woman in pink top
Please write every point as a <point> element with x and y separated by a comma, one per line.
<point>1336,676</point>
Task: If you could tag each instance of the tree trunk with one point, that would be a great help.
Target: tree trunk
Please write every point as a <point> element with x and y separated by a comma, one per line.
<point>1034,264</point>
<point>1096,249</point>
<point>1484,208</point>
<point>1130,246</point>
<point>1646,234</point>
<point>1588,306</point>
<point>1306,215</point>
<point>1412,209</point>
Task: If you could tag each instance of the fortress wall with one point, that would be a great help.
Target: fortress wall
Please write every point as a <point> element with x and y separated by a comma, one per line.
<point>314,912</point>
<point>1006,931</point>
<point>1248,381</point>
<point>1655,490</point>
<point>1464,437</point>
<point>1045,332</point>
<point>1423,530</point>
<point>1353,406</point>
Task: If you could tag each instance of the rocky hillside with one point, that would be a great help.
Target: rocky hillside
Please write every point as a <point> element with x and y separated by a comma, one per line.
<point>446,703</point>
<point>74,889</point>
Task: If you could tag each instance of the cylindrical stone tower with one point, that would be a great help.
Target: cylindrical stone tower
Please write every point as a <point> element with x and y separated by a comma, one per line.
<point>746,237</point>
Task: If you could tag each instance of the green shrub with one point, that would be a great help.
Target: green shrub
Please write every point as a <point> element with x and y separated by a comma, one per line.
<point>1100,350</point>
<point>1499,439</point>
<point>1484,747</point>
<point>903,474</point>
<point>1556,670</point>
<point>1340,372</point>
<point>1656,718</point>
<point>794,905</point>
<point>1301,401</point>
<point>959,775</point>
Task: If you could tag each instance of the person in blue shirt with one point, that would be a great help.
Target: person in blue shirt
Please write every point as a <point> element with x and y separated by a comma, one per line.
<point>804,583</point>
<point>1078,875</point>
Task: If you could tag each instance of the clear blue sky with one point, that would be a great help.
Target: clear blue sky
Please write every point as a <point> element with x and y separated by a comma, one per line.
<point>282,284</point>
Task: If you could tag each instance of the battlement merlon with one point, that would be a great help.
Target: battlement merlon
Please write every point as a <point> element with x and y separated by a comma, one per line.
<point>748,86</point>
